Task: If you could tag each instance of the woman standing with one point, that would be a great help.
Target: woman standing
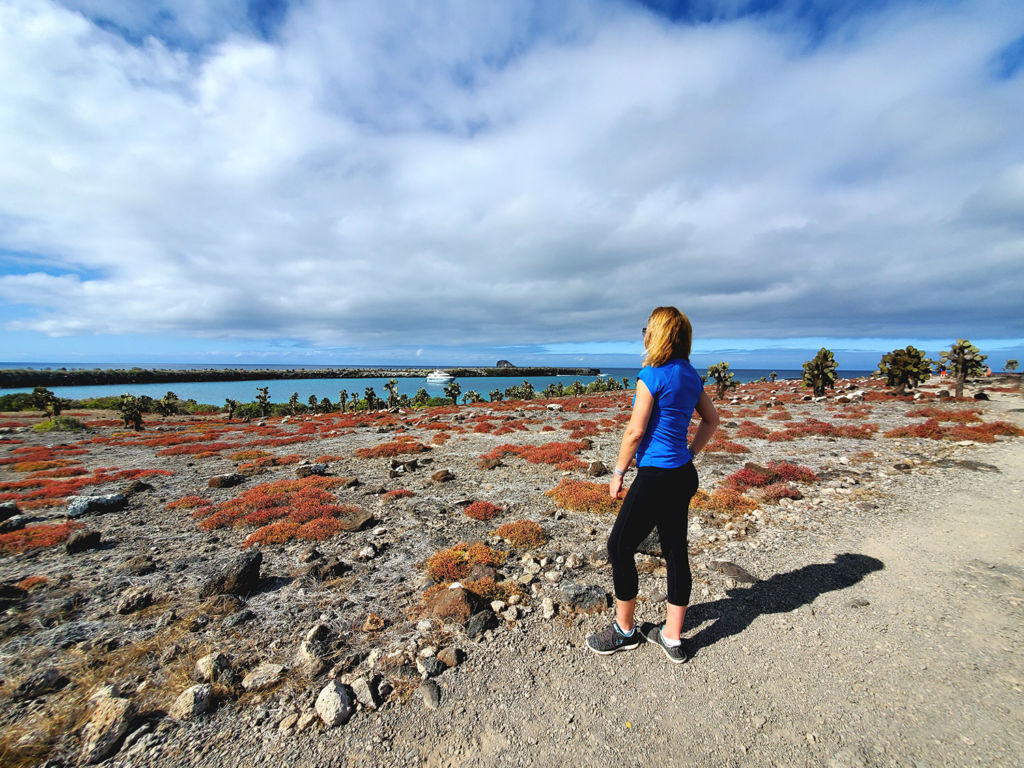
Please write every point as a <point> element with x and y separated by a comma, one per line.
<point>668,391</point>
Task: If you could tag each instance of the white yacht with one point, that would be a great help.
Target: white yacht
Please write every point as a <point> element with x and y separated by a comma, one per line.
<point>439,377</point>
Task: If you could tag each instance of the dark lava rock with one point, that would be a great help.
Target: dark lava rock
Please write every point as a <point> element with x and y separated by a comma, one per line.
<point>230,480</point>
<point>239,577</point>
<point>140,565</point>
<point>81,505</point>
<point>981,396</point>
<point>239,618</point>
<point>486,463</point>
<point>442,476</point>
<point>597,469</point>
<point>8,509</point>
<point>135,486</point>
<point>81,540</point>
<point>584,598</point>
<point>308,470</point>
<point>355,520</point>
<point>15,523</point>
<point>651,545</point>
<point>331,568</point>
<point>433,666</point>
<point>39,682</point>
<point>431,694</point>
<point>11,595</point>
<point>457,604</point>
<point>481,571</point>
<point>480,622</point>
<point>134,599</point>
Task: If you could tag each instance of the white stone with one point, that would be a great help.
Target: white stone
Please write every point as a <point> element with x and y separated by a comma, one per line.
<point>264,676</point>
<point>334,705</point>
<point>107,724</point>
<point>547,607</point>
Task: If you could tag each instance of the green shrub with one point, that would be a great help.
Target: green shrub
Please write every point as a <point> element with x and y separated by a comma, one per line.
<point>59,424</point>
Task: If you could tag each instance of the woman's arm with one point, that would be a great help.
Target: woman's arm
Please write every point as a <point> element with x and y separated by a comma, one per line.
<point>708,424</point>
<point>642,406</point>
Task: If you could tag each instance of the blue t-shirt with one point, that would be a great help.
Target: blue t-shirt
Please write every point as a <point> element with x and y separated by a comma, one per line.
<point>676,387</point>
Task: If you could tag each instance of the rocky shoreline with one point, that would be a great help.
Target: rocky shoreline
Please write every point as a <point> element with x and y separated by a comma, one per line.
<point>151,634</point>
<point>11,378</point>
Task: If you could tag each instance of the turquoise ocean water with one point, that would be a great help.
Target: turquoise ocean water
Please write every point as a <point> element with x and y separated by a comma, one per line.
<point>215,392</point>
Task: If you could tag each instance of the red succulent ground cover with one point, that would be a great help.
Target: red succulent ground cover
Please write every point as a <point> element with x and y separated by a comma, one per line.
<point>817,428</point>
<point>454,563</point>
<point>395,448</point>
<point>777,491</point>
<point>30,454</point>
<point>584,496</point>
<point>440,438</point>
<point>750,429</point>
<point>300,500</point>
<point>522,533</point>
<point>42,492</point>
<point>722,500</point>
<point>773,472</point>
<point>401,493</point>
<point>482,510</point>
<point>546,453</point>
<point>981,433</point>
<point>961,416</point>
<point>36,536</point>
<point>581,428</point>
<point>720,444</point>
<point>31,582</point>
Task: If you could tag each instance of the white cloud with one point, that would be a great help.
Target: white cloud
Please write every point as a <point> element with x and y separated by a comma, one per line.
<point>483,174</point>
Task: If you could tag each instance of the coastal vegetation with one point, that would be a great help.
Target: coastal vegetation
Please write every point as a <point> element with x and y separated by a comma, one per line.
<point>963,359</point>
<point>820,372</point>
<point>905,369</point>
<point>30,377</point>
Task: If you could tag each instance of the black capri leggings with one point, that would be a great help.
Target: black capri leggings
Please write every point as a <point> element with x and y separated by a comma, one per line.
<point>658,498</point>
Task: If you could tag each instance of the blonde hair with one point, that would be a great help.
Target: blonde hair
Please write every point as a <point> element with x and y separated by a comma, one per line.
<point>669,334</point>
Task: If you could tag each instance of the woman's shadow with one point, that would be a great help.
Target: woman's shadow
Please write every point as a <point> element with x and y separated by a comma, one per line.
<point>781,593</point>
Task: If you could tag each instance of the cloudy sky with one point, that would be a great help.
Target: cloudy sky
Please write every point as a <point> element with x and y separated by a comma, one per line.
<point>427,181</point>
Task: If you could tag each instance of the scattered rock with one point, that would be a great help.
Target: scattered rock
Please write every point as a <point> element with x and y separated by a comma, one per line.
<point>105,728</point>
<point>481,571</point>
<point>480,622</point>
<point>597,469</point>
<point>584,598</point>
<point>442,476</point>
<point>239,618</point>
<point>366,692</point>
<point>288,722</point>
<point>315,647</point>
<point>331,568</point>
<point>367,553</point>
<point>81,505</point>
<point>557,408</point>
<point>859,602</point>
<point>11,595</point>
<point>240,577</point>
<point>431,694</point>
<point>134,487</point>
<point>134,599</point>
<point>981,396</point>
<point>229,480</point>
<point>450,656</point>
<point>486,463</point>
<point>8,509</point>
<point>308,470</point>
<point>454,604</point>
<point>305,720</point>
<point>40,682</point>
<point>264,676</point>
<point>15,523</point>
<point>547,607</point>
<point>373,623</point>
<point>355,519</point>
<point>81,540</point>
<point>192,702</point>
<point>734,571</point>
<point>140,565</point>
<point>211,667</point>
<point>430,666</point>
<point>335,704</point>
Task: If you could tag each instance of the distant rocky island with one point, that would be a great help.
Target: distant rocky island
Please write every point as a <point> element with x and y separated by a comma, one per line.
<point>26,377</point>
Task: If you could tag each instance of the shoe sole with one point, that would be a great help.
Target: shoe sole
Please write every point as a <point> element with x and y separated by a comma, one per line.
<point>670,657</point>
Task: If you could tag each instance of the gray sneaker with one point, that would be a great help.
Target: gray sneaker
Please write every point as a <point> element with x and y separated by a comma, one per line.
<point>610,640</point>
<point>676,654</point>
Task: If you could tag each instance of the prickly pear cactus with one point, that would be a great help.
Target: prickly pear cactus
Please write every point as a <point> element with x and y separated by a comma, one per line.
<point>820,372</point>
<point>904,368</point>
<point>723,378</point>
<point>963,359</point>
